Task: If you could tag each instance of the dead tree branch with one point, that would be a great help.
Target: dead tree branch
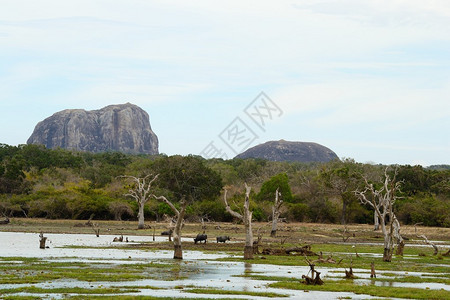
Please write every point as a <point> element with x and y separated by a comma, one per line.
<point>422,236</point>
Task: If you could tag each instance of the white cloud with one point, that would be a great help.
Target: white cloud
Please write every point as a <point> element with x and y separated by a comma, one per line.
<point>353,65</point>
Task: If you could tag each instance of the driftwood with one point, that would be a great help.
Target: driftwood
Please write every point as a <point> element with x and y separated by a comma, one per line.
<point>118,239</point>
<point>349,273</point>
<point>436,250</point>
<point>315,275</point>
<point>329,259</point>
<point>88,223</point>
<point>303,251</point>
<point>42,240</point>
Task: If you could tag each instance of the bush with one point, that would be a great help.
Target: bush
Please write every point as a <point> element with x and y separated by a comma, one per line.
<point>297,212</point>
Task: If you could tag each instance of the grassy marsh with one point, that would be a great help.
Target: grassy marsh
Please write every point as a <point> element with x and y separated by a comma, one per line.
<point>31,277</point>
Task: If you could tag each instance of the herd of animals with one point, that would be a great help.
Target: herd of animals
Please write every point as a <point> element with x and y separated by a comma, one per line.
<point>201,237</point>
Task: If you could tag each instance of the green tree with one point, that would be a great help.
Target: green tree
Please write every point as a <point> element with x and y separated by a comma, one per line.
<point>268,188</point>
<point>341,179</point>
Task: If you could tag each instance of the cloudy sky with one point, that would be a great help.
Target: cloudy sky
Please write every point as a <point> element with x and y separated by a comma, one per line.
<point>368,79</point>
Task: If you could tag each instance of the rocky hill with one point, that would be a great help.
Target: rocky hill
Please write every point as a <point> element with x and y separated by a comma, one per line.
<point>124,127</point>
<point>290,151</point>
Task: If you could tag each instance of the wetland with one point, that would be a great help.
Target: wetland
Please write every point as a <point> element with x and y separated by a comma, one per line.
<point>77,264</point>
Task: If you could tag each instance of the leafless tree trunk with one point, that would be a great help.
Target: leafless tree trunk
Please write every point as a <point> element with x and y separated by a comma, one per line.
<point>178,251</point>
<point>246,218</point>
<point>382,201</point>
<point>141,193</point>
<point>276,213</point>
<point>398,237</point>
<point>376,221</point>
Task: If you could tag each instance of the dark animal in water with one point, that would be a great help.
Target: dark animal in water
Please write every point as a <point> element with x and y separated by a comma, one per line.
<point>222,239</point>
<point>200,237</point>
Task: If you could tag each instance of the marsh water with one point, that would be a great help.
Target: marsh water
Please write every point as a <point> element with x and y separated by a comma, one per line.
<point>199,269</point>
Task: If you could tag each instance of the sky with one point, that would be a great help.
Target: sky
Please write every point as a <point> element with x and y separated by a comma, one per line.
<point>368,79</point>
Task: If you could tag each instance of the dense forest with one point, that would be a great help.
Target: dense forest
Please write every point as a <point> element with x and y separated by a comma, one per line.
<point>45,183</point>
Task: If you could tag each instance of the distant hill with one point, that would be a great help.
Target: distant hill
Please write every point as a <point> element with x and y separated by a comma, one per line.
<point>290,151</point>
<point>439,167</point>
<point>123,127</point>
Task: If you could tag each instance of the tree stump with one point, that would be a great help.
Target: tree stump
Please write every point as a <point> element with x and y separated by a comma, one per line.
<point>349,274</point>
<point>42,240</point>
<point>97,232</point>
<point>372,270</point>
<point>315,275</point>
<point>400,248</point>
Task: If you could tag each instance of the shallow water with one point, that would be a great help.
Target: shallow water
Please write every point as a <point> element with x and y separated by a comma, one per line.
<point>199,268</point>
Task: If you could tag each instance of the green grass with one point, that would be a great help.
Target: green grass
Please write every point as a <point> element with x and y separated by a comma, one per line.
<point>34,271</point>
<point>372,290</point>
<point>67,290</point>
<point>228,292</point>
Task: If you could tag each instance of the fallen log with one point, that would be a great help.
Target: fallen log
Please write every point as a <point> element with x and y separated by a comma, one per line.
<point>5,221</point>
<point>301,251</point>
<point>304,250</point>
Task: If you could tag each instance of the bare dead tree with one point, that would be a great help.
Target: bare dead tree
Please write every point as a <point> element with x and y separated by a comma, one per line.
<point>178,251</point>
<point>422,236</point>
<point>276,212</point>
<point>141,192</point>
<point>246,218</point>
<point>382,201</point>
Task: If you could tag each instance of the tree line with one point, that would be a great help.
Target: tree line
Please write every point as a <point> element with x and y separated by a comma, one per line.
<point>58,183</point>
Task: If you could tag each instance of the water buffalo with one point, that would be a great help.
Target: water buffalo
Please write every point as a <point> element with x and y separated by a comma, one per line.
<point>223,239</point>
<point>167,232</point>
<point>200,237</point>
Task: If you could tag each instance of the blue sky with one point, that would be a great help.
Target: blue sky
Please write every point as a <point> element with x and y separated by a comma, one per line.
<point>368,79</point>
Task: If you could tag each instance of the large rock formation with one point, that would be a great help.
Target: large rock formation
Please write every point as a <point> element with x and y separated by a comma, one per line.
<point>290,151</point>
<point>124,127</point>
